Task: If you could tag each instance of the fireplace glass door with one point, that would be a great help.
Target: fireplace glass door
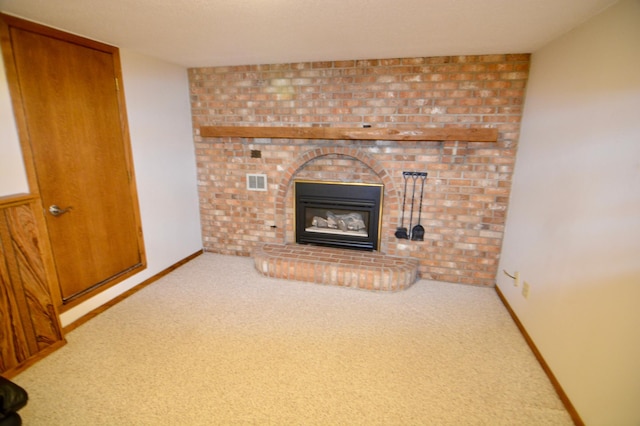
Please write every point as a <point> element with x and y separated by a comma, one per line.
<point>345,215</point>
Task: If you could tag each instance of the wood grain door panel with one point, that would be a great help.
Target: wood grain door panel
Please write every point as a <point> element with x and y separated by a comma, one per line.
<point>29,323</point>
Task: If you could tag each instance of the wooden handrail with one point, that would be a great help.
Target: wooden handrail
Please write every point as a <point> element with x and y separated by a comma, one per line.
<point>345,133</point>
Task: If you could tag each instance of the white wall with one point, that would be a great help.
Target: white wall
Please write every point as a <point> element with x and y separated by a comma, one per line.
<point>157,97</point>
<point>573,226</point>
<point>13,179</point>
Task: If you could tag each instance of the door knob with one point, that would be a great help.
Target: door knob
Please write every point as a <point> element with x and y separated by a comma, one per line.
<point>57,211</point>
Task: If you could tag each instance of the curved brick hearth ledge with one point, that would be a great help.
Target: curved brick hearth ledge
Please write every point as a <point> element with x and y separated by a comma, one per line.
<point>325,265</point>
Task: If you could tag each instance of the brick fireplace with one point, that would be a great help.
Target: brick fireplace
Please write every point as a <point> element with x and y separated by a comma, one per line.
<point>465,196</point>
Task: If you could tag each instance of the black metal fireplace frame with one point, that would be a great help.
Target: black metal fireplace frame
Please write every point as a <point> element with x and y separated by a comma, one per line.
<point>366,198</point>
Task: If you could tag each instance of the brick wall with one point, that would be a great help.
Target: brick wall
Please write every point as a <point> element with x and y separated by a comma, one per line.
<point>467,190</point>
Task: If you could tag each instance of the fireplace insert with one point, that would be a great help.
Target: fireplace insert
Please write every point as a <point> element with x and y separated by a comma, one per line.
<point>336,214</point>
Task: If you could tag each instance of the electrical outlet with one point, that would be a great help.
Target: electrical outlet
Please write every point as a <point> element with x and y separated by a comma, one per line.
<point>525,289</point>
<point>516,279</point>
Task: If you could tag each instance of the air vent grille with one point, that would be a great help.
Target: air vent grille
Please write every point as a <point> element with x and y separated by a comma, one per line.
<point>256,182</point>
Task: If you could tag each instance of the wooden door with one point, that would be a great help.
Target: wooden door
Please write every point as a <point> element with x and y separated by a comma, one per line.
<point>74,126</point>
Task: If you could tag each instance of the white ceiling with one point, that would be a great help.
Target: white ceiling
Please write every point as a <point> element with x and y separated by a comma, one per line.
<point>237,32</point>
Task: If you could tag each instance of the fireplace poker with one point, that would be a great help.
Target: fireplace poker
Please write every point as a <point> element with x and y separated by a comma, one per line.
<point>401,231</point>
<point>417,233</point>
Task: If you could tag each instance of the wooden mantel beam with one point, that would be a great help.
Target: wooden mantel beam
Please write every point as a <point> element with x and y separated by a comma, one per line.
<point>340,133</point>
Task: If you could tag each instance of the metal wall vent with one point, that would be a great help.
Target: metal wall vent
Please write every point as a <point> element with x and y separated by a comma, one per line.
<point>256,182</point>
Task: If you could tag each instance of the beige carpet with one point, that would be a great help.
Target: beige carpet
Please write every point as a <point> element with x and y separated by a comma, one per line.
<point>216,343</point>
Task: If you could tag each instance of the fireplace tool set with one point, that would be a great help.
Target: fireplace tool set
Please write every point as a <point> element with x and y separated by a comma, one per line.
<point>415,233</point>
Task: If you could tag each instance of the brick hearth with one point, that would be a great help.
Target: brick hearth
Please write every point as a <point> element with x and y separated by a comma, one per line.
<point>333,266</point>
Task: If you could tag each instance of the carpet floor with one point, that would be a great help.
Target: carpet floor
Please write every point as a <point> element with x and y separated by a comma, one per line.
<point>214,342</point>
